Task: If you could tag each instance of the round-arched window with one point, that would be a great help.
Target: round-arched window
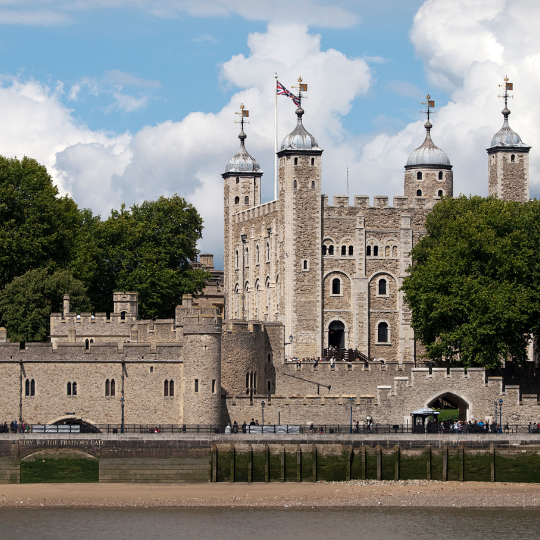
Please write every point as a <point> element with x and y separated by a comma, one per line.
<point>336,286</point>
<point>382,332</point>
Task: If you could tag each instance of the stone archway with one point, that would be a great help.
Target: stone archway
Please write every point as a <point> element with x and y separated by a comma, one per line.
<point>449,400</point>
<point>336,335</point>
<point>84,426</point>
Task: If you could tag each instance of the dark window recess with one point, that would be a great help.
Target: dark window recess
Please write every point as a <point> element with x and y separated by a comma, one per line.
<point>336,286</point>
<point>418,192</point>
<point>123,315</point>
<point>69,389</point>
<point>305,265</point>
<point>296,161</point>
<point>382,333</point>
<point>343,250</point>
<point>295,184</point>
<point>27,387</point>
<point>246,200</point>
<point>330,250</point>
<point>368,251</point>
<point>440,193</point>
<point>312,161</point>
<point>324,250</point>
<point>382,286</point>
<point>32,387</point>
<point>113,388</point>
<point>196,385</point>
<point>236,200</point>
<point>419,175</point>
<point>166,388</point>
<point>213,386</point>
<point>171,388</point>
<point>107,388</point>
<point>440,175</point>
<point>351,250</point>
<point>375,251</point>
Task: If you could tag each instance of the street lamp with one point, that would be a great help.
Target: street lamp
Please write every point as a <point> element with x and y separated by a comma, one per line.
<point>122,424</point>
<point>351,414</point>
<point>500,415</point>
<point>263,403</point>
<point>244,240</point>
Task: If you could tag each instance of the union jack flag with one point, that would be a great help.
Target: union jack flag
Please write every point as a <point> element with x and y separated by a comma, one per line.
<point>282,91</point>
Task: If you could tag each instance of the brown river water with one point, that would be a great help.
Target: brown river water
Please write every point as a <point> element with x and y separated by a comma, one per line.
<point>269,524</point>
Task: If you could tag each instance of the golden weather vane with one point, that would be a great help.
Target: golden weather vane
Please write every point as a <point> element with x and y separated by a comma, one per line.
<point>507,86</point>
<point>430,104</point>
<point>301,87</point>
<point>243,113</point>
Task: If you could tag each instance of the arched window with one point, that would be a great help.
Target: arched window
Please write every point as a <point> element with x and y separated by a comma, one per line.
<point>305,265</point>
<point>267,251</point>
<point>330,250</point>
<point>123,315</point>
<point>440,175</point>
<point>69,389</point>
<point>336,286</point>
<point>236,200</point>
<point>313,184</point>
<point>296,161</point>
<point>107,388</point>
<point>368,251</point>
<point>382,286</point>
<point>343,250</point>
<point>324,250</point>
<point>418,192</point>
<point>295,184</point>
<point>375,251</point>
<point>236,259</point>
<point>74,387</point>
<point>87,343</point>
<point>113,388</point>
<point>27,387</point>
<point>166,388</point>
<point>246,200</point>
<point>351,251</point>
<point>247,256</point>
<point>32,387</point>
<point>171,388</point>
<point>237,180</point>
<point>440,193</point>
<point>312,161</point>
<point>513,158</point>
<point>382,332</point>
<point>257,254</point>
<point>419,175</point>
<point>247,380</point>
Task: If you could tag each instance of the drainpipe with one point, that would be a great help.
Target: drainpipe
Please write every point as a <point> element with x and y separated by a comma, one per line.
<point>21,368</point>
<point>122,398</point>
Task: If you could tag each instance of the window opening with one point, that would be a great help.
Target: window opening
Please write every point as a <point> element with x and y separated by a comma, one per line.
<point>343,250</point>
<point>368,251</point>
<point>107,388</point>
<point>440,193</point>
<point>295,184</point>
<point>27,387</point>
<point>296,161</point>
<point>330,250</point>
<point>418,192</point>
<point>113,388</point>
<point>171,388</point>
<point>213,386</point>
<point>351,250</point>
<point>123,315</point>
<point>382,286</point>
<point>313,184</point>
<point>440,175</point>
<point>513,158</point>
<point>419,175</point>
<point>246,200</point>
<point>87,344</point>
<point>196,385</point>
<point>236,200</point>
<point>324,250</point>
<point>166,388</point>
<point>336,286</point>
<point>257,254</point>
<point>32,387</point>
<point>305,265</point>
<point>382,333</point>
<point>375,251</point>
<point>267,251</point>
<point>237,180</point>
<point>74,388</point>
<point>69,389</point>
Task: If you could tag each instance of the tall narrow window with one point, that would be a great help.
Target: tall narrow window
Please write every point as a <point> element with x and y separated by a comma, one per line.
<point>368,251</point>
<point>313,184</point>
<point>351,251</point>
<point>382,332</point>
<point>336,286</point>
<point>296,161</point>
<point>87,342</point>
<point>237,200</point>
<point>255,380</point>
<point>312,161</point>
<point>418,192</point>
<point>330,250</point>
<point>166,388</point>
<point>257,254</point>
<point>324,250</point>
<point>419,175</point>
<point>382,286</point>
<point>295,184</point>
<point>107,388</point>
<point>440,175</point>
<point>69,389</point>
<point>113,388</point>
<point>236,259</point>
<point>123,315</point>
<point>375,251</point>
<point>32,387</point>
<point>343,250</point>
<point>440,193</point>
<point>513,158</point>
<point>171,388</point>
<point>27,387</point>
<point>237,180</point>
<point>74,387</point>
<point>213,386</point>
<point>196,385</point>
<point>247,380</point>
<point>267,251</point>
<point>246,200</point>
<point>305,265</point>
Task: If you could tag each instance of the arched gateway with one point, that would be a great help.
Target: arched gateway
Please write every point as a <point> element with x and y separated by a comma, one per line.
<point>336,335</point>
<point>448,400</point>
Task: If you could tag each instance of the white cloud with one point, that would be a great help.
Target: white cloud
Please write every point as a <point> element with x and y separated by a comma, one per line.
<point>33,18</point>
<point>126,103</point>
<point>115,76</point>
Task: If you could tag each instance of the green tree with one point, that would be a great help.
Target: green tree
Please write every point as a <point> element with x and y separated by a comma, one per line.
<point>38,228</point>
<point>473,286</point>
<point>27,302</point>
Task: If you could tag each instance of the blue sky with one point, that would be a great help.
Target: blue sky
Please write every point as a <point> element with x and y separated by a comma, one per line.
<point>125,100</point>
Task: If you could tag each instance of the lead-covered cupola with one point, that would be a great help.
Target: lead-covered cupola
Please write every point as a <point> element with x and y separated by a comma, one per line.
<point>508,159</point>
<point>428,172</point>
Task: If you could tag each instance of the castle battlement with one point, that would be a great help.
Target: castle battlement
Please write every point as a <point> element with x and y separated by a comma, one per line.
<point>362,202</point>
<point>256,211</point>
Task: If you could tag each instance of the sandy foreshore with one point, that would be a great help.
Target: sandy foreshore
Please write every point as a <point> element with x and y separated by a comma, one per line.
<point>275,495</point>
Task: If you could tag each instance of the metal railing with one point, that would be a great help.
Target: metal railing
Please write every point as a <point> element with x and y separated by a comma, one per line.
<point>269,429</point>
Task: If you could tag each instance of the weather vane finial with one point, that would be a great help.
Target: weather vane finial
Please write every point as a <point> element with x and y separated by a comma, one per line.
<point>430,104</point>
<point>244,113</point>
<point>301,87</point>
<point>507,86</point>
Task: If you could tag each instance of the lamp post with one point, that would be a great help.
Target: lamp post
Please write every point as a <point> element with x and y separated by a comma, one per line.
<point>351,414</point>
<point>244,240</point>
<point>122,424</point>
<point>263,403</point>
<point>500,415</point>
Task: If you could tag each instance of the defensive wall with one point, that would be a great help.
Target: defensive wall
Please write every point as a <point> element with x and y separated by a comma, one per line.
<point>267,458</point>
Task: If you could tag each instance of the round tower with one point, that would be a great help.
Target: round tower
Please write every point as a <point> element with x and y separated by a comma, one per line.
<point>428,173</point>
<point>508,167</point>
<point>202,369</point>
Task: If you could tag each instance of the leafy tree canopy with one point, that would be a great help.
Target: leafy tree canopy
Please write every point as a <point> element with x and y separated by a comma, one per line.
<point>473,286</point>
<point>27,302</point>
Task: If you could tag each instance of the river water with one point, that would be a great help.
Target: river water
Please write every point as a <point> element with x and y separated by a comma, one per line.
<point>269,524</point>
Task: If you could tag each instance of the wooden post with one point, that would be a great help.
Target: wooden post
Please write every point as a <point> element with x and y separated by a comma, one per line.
<point>363,471</point>
<point>282,459</point>
<point>266,463</point>
<point>349,460</point>
<point>298,464</point>
<point>214,463</point>
<point>445,463</point>
<point>461,464</point>
<point>379,462</point>
<point>314,463</point>
<point>428,464</point>
<point>397,452</point>
<point>233,456</point>
<point>492,452</point>
<point>250,463</point>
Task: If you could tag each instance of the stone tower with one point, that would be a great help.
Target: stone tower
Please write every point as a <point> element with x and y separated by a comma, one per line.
<point>508,159</point>
<point>300,259</point>
<point>202,365</point>
<point>241,190</point>
<point>127,304</point>
<point>428,173</point>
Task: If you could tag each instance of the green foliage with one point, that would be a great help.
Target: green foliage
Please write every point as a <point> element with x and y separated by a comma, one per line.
<point>474,282</point>
<point>63,470</point>
<point>27,302</point>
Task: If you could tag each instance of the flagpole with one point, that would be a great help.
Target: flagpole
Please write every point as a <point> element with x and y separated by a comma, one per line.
<point>275,141</point>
